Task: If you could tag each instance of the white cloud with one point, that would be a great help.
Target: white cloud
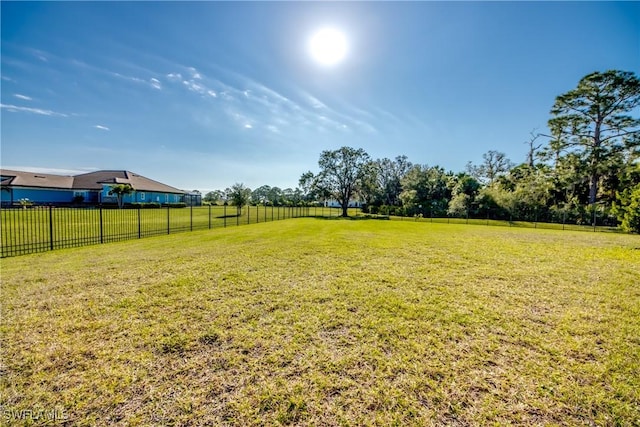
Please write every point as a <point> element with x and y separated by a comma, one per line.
<point>315,102</point>
<point>15,109</point>
<point>248,102</point>
<point>25,97</point>
<point>130,78</point>
<point>155,83</point>
<point>195,87</point>
<point>101,127</point>
<point>194,73</point>
<point>42,56</point>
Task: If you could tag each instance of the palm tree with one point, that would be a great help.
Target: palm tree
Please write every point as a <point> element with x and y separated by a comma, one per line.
<point>120,190</point>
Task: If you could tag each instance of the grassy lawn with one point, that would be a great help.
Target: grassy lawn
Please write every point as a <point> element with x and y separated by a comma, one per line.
<point>327,322</point>
<point>40,229</point>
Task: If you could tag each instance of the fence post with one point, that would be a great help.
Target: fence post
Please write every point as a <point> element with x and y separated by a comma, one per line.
<point>139,224</point>
<point>248,214</point>
<point>209,217</point>
<point>51,227</point>
<point>101,226</point>
<point>168,223</point>
<point>225,215</point>
<point>191,218</point>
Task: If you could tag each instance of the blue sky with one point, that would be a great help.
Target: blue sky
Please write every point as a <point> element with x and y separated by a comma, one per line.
<point>205,94</point>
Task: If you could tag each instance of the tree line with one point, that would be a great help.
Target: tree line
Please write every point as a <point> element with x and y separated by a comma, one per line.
<point>587,167</point>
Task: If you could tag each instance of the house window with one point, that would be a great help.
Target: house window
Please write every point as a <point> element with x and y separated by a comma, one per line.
<point>166,198</point>
<point>141,196</point>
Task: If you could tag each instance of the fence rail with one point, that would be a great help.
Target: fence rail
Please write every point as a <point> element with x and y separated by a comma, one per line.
<point>39,229</point>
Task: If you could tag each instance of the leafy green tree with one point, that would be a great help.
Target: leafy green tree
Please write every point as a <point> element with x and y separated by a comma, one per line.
<point>426,189</point>
<point>464,189</point>
<point>391,173</point>
<point>594,121</point>
<point>459,205</point>
<point>213,196</point>
<point>239,195</point>
<point>627,209</point>
<point>261,195</point>
<point>497,201</point>
<point>292,197</point>
<point>381,181</point>
<point>340,174</point>
<point>370,189</point>
<point>533,191</point>
<point>306,183</point>
<point>120,190</point>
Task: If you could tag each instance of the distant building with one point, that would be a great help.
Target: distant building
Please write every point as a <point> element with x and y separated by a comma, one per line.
<point>88,188</point>
<point>193,198</point>
<point>335,204</point>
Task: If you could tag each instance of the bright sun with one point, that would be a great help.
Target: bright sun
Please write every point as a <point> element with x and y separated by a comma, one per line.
<point>328,46</point>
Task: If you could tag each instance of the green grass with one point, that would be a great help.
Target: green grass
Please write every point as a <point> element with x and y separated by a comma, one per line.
<point>41,229</point>
<point>328,322</point>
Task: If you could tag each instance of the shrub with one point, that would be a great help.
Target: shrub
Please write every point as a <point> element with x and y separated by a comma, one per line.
<point>627,209</point>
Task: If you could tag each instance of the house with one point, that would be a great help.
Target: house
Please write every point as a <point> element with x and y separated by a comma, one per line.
<point>37,187</point>
<point>88,188</point>
<point>333,203</point>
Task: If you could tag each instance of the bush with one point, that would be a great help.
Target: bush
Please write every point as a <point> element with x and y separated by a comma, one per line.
<point>627,209</point>
<point>392,210</point>
<point>176,205</point>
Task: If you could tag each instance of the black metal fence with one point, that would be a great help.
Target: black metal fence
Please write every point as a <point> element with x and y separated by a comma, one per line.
<point>39,229</point>
<point>46,228</point>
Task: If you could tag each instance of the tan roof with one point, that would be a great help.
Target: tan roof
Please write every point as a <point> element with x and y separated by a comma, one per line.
<point>33,179</point>
<point>94,181</point>
<point>86,181</point>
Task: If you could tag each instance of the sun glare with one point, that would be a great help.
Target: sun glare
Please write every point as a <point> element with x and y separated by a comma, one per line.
<point>328,46</point>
